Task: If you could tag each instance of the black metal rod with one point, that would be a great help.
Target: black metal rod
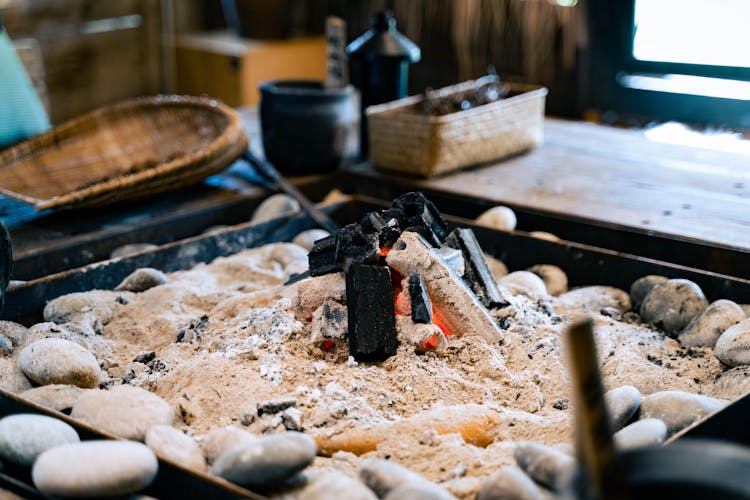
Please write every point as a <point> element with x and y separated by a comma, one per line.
<point>269,171</point>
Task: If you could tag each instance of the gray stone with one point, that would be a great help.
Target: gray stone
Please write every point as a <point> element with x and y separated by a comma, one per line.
<point>419,491</point>
<point>733,346</point>
<point>306,239</point>
<point>640,288</point>
<point>24,436</point>
<point>58,397</point>
<point>554,278</point>
<point>82,306</point>
<point>123,410</point>
<point>523,283</point>
<point>13,332</point>
<point>509,483</point>
<point>176,446</point>
<point>706,328</point>
<point>275,206</point>
<point>267,462</point>
<point>595,298</point>
<point>383,476</point>
<point>142,279</point>
<point>499,217</point>
<point>59,361</point>
<point>544,464</point>
<point>622,403</point>
<point>130,249</point>
<point>95,469</point>
<point>646,432</point>
<point>12,378</point>
<point>334,485</point>
<point>454,258</point>
<point>678,409</point>
<point>671,305</point>
<point>221,439</point>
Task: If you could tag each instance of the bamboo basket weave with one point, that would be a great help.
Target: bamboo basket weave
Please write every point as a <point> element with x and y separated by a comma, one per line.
<point>123,152</point>
<point>404,140</point>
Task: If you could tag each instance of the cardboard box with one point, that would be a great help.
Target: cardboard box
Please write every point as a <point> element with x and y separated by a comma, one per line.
<point>230,68</point>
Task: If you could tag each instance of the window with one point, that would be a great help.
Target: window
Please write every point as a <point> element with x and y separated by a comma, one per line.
<point>686,60</point>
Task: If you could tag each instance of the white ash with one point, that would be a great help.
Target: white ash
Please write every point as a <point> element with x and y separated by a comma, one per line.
<point>255,346</point>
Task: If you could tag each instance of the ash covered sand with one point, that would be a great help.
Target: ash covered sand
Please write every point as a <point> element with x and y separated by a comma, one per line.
<point>227,336</point>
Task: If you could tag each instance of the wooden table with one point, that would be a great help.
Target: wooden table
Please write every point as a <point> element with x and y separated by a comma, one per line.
<point>619,176</point>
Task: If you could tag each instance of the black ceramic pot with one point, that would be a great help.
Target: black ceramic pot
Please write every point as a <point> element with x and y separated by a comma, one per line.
<point>305,126</point>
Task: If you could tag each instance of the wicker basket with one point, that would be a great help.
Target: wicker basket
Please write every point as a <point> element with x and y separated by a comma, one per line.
<point>404,140</point>
<point>123,152</point>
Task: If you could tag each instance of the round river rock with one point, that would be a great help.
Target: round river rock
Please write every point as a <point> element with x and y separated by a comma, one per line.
<point>170,443</point>
<point>59,361</point>
<point>502,218</point>
<point>733,346</point>
<point>24,436</point>
<point>546,465</point>
<point>706,328</point>
<point>221,439</point>
<point>123,410</point>
<point>95,469</point>
<point>678,409</point>
<point>306,239</point>
<point>597,297</point>
<point>268,461</point>
<point>509,483</point>
<point>672,304</point>
<point>622,404</point>
<point>646,432</point>
<point>275,206</point>
<point>640,288</point>
<point>142,279</point>
<point>56,396</point>
<point>554,278</point>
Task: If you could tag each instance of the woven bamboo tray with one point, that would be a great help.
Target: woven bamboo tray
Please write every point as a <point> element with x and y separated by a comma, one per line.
<point>404,140</point>
<point>123,152</point>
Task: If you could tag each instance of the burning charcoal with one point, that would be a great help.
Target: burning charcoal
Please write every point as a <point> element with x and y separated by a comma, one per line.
<point>388,230</point>
<point>422,217</point>
<point>421,307</point>
<point>455,305</point>
<point>354,246</point>
<point>372,321</point>
<point>477,274</point>
<point>329,325</point>
<point>322,257</point>
<point>272,406</point>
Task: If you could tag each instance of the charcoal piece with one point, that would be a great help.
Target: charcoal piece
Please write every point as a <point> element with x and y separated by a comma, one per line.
<point>322,257</point>
<point>421,307</point>
<point>372,319</point>
<point>354,246</point>
<point>387,229</point>
<point>422,217</point>
<point>272,406</point>
<point>476,271</point>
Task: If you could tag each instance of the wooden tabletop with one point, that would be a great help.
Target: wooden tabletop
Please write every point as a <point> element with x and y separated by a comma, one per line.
<point>620,176</point>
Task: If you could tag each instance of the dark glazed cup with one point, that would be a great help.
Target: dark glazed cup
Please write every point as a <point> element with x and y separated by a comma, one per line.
<point>305,126</point>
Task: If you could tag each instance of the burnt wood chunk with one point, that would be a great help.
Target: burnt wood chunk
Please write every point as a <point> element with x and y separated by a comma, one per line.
<point>322,257</point>
<point>386,229</point>
<point>476,271</point>
<point>354,246</point>
<point>421,216</point>
<point>421,307</point>
<point>372,319</point>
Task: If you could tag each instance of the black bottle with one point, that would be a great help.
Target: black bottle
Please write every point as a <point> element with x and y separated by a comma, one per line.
<point>379,66</point>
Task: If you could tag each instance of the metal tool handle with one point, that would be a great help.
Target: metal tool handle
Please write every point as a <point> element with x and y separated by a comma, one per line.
<point>268,171</point>
<point>6,262</point>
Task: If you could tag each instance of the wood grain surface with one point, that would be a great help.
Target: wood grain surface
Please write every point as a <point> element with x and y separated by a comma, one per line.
<point>620,176</point>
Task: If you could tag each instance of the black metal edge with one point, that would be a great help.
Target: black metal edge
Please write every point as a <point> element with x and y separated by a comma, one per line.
<point>726,424</point>
<point>172,480</point>
<point>25,303</point>
<point>691,252</point>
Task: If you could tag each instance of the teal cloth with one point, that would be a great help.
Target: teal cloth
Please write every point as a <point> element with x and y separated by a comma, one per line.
<point>21,112</point>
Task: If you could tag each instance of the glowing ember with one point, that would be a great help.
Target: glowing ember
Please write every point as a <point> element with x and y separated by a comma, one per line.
<point>432,343</point>
<point>384,251</point>
<point>327,345</point>
<point>438,320</point>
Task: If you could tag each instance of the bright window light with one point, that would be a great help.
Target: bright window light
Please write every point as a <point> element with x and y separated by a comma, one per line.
<point>711,32</point>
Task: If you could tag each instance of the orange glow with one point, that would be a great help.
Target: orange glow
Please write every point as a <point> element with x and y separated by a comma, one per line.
<point>431,343</point>
<point>384,251</point>
<point>438,321</point>
<point>327,345</point>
